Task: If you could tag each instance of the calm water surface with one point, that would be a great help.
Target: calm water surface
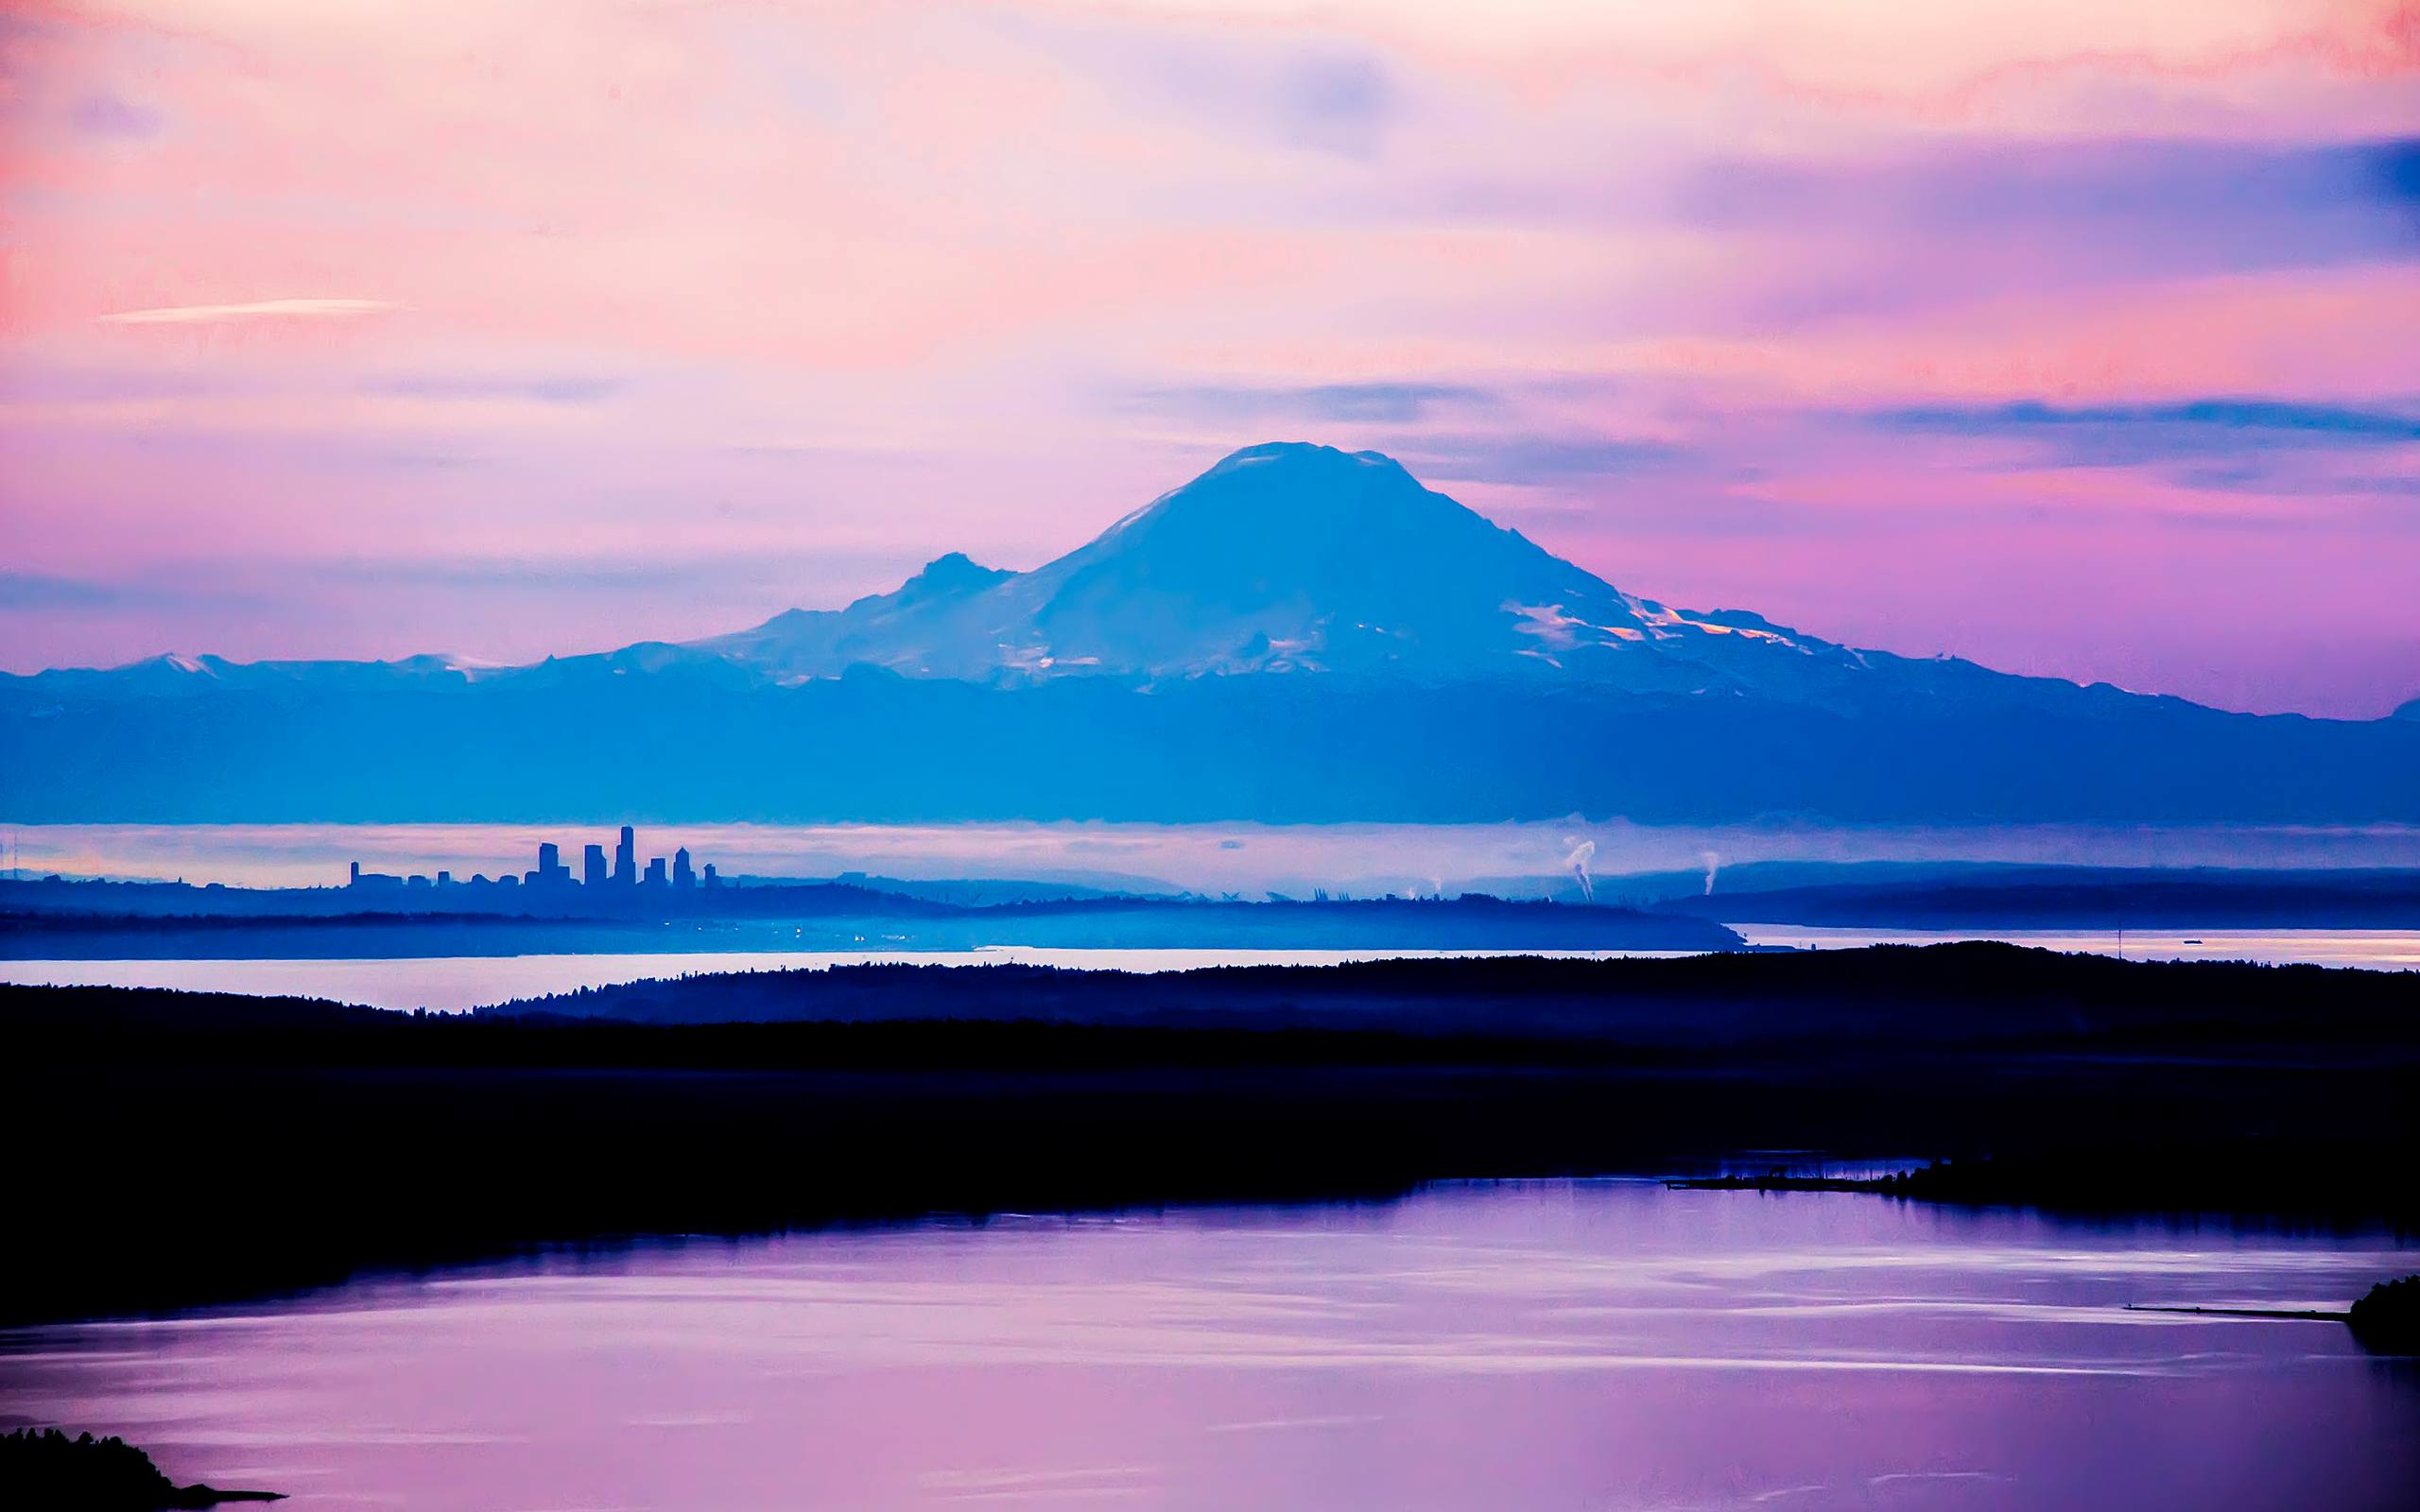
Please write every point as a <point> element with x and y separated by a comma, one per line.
<point>1592,1346</point>
<point>450,983</point>
<point>2377,949</point>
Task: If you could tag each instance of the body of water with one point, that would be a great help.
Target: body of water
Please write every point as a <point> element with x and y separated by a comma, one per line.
<point>2377,948</point>
<point>1595,1345</point>
<point>451,983</point>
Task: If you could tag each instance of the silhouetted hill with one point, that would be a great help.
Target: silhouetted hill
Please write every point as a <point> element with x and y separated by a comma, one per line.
<point>278,1143</point>
<point>1944,995</point>
<point>1941,994</point>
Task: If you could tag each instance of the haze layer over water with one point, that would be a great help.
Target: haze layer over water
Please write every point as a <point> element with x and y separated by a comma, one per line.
<point>1204,857</point>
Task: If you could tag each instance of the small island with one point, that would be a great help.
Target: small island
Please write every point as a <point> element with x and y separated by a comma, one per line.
<point>44,1468</point>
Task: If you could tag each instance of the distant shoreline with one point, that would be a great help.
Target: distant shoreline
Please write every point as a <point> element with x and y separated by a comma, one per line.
<point>67,920</point>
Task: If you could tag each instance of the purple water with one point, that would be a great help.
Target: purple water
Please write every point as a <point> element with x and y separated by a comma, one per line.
<point>451,983</point>
<point>1602,1345</point>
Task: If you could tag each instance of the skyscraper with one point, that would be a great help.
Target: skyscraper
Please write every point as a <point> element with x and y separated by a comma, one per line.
<point>655,871</point>
<point>592,866</point>
<point>626,859</point>
<point>682,874</point>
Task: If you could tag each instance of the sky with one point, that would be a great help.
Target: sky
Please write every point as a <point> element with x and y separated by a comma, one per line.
<point>2074,337</point>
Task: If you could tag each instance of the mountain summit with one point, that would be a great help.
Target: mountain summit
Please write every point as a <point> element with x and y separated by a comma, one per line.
<point>1287,557</point>
<point>1300,634</point>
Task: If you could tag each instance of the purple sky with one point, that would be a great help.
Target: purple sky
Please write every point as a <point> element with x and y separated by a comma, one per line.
<point>2071,337</point>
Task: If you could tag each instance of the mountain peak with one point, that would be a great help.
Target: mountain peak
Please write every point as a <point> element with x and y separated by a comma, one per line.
<point>1301,454</point>
<point>952,573</point>
<point>1302,467</point>
<point>1284,556</point>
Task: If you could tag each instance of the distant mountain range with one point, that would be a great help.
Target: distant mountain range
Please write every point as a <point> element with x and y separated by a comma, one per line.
<point>1298,634</point>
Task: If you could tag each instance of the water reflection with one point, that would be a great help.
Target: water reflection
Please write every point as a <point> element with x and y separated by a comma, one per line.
<point>449,984</point>
<point>1597,1345</point>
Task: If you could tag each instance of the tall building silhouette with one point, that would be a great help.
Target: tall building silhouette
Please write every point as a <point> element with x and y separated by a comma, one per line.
<point>551,871</point>
<point>679,871</point>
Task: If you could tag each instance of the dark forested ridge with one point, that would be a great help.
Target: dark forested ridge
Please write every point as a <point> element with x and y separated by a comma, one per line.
<point>208,1147</point>
<point>1945,993</point>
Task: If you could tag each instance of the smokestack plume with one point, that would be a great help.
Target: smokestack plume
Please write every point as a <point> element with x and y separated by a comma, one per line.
<point>1713,865</point>
<point>1577,861</point>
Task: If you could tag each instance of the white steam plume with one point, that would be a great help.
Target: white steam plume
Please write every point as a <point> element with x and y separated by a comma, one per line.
<point>1577,861</point>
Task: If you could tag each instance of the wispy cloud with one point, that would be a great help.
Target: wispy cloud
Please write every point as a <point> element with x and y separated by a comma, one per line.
<point>1330,94</point>
<point>1913,230</point>
<point>102,114</point>
<point>1388,403</point>
<point>1534,458</point>
<point>543,389</point>
<point>44,594</point>
<point>253,310</point>
<point>2186,431</point>
<point>39,591</point>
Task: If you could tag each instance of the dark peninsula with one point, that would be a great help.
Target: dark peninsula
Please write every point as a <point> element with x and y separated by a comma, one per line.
<point>41,1468</point>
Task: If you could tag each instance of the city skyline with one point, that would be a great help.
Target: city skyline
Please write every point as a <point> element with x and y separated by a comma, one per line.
<point>551,874</point>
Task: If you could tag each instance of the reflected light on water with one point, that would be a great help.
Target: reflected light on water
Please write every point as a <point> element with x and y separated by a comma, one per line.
<point>1565,1344</point>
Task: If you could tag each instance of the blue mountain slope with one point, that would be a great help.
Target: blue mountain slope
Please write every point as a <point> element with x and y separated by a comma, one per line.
<point>1300,633</point>
<point>1290,559</point>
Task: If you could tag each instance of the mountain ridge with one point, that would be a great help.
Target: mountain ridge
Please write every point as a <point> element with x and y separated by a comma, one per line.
<point>1282,559</point>
<point>1300,635</point>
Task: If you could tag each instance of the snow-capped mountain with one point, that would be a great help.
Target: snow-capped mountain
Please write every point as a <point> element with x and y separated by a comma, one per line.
<point>1287,557</point>
<point>1298,634</point>
<point>1293,558</point>
<point>1283,558</point>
